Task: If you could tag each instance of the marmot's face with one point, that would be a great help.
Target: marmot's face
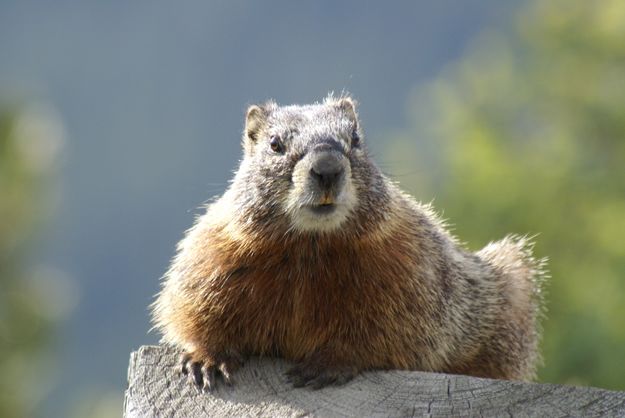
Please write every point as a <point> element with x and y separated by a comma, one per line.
<point>322,194</point>
<point>303,159</point>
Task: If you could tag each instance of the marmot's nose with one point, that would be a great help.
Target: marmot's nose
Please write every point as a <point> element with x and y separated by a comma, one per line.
<point>327,169</point>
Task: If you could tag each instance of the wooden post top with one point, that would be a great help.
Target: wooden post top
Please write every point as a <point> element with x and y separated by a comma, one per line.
<point>157,389</point>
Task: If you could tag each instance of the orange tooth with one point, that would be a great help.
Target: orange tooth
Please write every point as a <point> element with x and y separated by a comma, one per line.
<point>327,200</point>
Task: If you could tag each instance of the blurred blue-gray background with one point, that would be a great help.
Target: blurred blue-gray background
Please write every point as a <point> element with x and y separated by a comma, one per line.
<point>127,117</point>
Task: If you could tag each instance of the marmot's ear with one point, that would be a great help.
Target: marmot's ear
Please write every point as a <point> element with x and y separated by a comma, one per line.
<point>255,120</point>
<point>348,106</point>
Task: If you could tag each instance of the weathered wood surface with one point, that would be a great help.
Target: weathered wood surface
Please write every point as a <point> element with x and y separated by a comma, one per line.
<point>156,388</point>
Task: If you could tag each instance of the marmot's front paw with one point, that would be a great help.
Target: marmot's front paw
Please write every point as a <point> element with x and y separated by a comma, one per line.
<point>204,371</point>
<point>316,375</point>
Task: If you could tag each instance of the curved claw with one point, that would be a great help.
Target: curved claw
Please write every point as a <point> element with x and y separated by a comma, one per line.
<point>184,363</point>
<point>209,374</point>
<point>226,374</point>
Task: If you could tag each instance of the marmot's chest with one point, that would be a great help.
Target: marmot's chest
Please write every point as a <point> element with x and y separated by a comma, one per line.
<point>300,302</point>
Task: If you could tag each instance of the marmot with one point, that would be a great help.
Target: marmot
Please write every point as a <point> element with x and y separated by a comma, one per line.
<point>314,255</point>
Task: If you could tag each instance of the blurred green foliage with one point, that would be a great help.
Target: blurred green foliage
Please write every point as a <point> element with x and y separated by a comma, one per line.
<point>26,316</point>
<point>526,134</point>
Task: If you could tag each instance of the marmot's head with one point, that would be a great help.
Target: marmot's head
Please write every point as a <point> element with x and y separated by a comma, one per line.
<point>305,166</point>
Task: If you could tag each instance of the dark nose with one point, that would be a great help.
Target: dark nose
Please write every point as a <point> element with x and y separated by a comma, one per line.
<point>327,169</point>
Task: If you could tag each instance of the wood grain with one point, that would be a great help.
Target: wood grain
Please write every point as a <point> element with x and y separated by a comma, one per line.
<point>157,389</point>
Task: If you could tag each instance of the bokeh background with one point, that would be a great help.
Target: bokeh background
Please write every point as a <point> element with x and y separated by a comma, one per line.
<point>119,119</point>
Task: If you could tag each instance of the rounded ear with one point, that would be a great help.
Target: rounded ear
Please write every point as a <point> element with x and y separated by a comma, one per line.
<point>255,120</point>
<point>348,106</point>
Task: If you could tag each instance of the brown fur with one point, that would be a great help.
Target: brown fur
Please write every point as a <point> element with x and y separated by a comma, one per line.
<point>390,289</point>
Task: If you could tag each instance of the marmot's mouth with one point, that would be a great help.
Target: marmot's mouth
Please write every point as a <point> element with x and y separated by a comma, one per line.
<point>323,209</point>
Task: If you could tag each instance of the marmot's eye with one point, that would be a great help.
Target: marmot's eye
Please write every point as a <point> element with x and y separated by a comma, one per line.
<point>355,138</point>
<point>276,143</point>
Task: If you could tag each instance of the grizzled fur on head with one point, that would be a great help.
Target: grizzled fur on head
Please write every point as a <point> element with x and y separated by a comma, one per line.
<point>281,146</point>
